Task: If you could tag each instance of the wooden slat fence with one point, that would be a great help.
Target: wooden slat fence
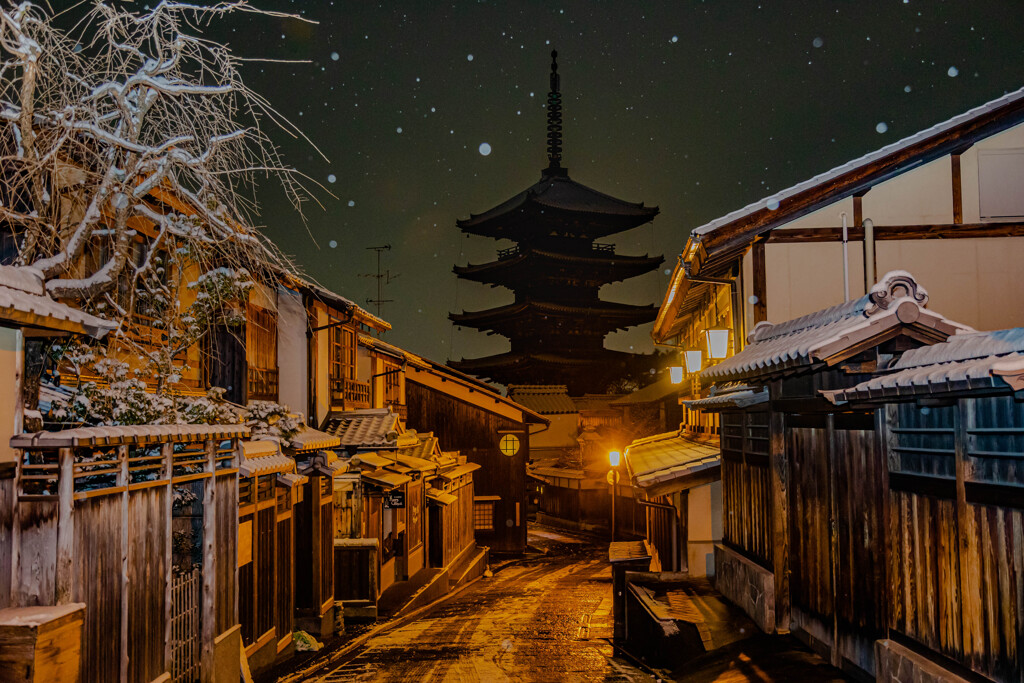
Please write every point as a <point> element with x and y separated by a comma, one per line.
<point>186,626</point>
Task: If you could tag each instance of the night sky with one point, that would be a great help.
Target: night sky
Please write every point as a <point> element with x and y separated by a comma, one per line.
<point>696,107</point>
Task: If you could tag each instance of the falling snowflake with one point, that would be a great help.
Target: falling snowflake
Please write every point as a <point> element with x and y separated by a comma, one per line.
<point>335,56</point>
<point>485,149</point>
<point>881,127</point>
<point>772,204</point>
<point>953,72</point>
<point>469,58</point>
<point>332,178</point>
<point>333,244</point>
<point>675,39</point>
<point>906,88</point>
<point>817,42</point>
<point>351,202</point>
<point>398,130</point>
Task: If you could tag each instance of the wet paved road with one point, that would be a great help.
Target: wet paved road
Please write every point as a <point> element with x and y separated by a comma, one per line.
<point>546,618</point>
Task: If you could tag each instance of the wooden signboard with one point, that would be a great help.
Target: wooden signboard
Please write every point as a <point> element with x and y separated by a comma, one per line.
<point>394,500</point>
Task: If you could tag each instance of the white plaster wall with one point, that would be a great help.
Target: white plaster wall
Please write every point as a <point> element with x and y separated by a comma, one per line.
<point>561,434</point>
<point>978,282</point>
<point>704,527</point>
<point>293,374</point>
<point>922,196</point>
<point>1008,139</point>
<point>805,277</point>
<point>10,347</point>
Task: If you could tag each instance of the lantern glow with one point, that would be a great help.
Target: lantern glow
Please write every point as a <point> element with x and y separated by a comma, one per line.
<point>675,374</point>
<point>718,343</point>
<point>694,360</point>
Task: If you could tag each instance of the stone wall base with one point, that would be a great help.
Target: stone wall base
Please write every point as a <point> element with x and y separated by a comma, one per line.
<point>898,664</point>
<point>746,584</point>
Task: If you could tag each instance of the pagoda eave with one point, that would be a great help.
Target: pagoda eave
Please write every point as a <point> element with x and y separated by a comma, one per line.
<point>594,270</point>
<point>535,220</point>
<point>612,314</point>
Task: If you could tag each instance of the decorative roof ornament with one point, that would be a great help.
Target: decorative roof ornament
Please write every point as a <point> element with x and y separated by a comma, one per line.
<point>897,285</point>
<point>554,116</point>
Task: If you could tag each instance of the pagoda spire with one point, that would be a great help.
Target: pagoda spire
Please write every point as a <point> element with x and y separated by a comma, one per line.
<point>554,116</point>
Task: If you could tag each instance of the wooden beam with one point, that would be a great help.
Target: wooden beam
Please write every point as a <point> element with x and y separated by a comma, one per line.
<point>760,282</point>
<point>958,198</point>
<point>858,210</point>
<point>779,477</point>
<point>899,232</point>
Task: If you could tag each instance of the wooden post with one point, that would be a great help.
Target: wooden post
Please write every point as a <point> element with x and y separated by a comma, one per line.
<point>958,200</point>
<point>65,526</point>
<point>760,282</point>
<point>168,455</point>
<point>779,475</point>
<point>970,572</point>
<point>833,531</point>
<point>122,480</point>
<point>209,606</point>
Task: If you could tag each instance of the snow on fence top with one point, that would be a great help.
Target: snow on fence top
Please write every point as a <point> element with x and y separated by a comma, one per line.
<point>128,434</point>
<point>23,301</point>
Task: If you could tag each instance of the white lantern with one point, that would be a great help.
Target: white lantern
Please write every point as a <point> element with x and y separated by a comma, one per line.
<point>613,458</point>
<point>694,360</point>
<point>718,343</point>
<point>675,374</point>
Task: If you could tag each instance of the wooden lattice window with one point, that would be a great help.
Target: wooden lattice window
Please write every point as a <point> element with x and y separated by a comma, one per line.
<point>261,353</point>
<point>483,515</point>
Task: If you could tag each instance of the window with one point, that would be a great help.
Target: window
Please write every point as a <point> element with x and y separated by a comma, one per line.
<point>483,515</point>
<point>1000,183</point>
<point>261,353</point>
<point>342,367</point>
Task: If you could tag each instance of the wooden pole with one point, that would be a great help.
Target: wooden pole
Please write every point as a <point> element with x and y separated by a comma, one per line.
<point>209,612</point>
<point>65,525</point>
<point>615,489</point>
<point>779,475</point>
<point>167,452</point>
<point>122,480</point>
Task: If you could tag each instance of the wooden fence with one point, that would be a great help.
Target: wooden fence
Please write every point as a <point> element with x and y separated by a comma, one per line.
<point>186,625</point>
<point>96,524</point>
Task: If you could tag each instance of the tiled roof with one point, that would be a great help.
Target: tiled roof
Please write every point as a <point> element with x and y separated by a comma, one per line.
<point>371,459</point>
<point>657,391</point>
<point>386,479</point>
<point>735,397</point>
<point>23,301</point>
<point>458,471</point>
<point>895,300</point>
<point>965,362</point>
<point>439,496</point>
<point>420,445</point>
<point>127,434</point>
<point>667,457</point>
<point>264,457</point>
<point>546,399</point>
<point>373,428</point>
<point>308,439</point>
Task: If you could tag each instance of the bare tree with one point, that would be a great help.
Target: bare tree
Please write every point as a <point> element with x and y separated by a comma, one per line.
<point>130,148</point>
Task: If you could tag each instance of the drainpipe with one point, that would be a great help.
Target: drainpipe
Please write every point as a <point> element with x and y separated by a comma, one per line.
<point>869,254</point>
<point>846,260</point>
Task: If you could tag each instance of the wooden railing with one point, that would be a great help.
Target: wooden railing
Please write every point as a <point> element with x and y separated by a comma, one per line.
<point>352,392</point>
<point>263,384</point>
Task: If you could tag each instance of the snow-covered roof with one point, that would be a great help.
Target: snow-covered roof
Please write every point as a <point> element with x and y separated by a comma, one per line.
<point>24,302</point>
<point>128,434</point>
<point>976,361</point>
<point>669,457</point>
<point>737,397</point>
<point>822,336</point>
<point>264,457</point>
<point>778,199</point>
<point>309,439</point>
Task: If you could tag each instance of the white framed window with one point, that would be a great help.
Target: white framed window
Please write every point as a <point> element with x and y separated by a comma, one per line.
<point>1001,184</point>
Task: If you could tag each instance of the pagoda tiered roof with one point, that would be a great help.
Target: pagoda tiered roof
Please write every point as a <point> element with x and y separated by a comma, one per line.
<point>595,315</point>
<point>558,206</point>
<point>521,264</point>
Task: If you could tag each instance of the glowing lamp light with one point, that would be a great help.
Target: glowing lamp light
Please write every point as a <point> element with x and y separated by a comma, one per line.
<point>613,458</point>
<point>694,360</point>
<point>718,343</point>
<point>675,374</point>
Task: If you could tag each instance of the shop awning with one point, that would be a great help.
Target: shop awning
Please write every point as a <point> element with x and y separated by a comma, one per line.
<point>672,462</point>
<point>309,439</point>
<point>264,457</point>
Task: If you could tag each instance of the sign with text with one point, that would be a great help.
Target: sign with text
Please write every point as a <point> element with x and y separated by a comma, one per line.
<point>394,500</point>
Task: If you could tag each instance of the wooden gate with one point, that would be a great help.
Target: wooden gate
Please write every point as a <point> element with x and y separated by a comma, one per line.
<point>836,528</point>
<point>186,629</point>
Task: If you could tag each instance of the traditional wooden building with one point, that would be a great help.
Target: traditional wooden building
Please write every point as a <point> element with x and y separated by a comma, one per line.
<point>557,323</point>
<point>951,429</point>
<point>678,476</point>
<point>491,431</point>
<point>804,482</point>
<point>944,204</point>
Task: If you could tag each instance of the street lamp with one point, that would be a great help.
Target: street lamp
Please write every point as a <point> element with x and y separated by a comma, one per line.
<point>694,360</point>
<point>675,374</point>
<point>613,479</point>
<point>718,343</point>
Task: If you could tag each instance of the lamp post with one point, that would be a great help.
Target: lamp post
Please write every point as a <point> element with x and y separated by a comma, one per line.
<point>613,477</point>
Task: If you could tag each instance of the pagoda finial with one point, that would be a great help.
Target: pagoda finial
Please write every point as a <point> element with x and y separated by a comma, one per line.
<point>554,116</point>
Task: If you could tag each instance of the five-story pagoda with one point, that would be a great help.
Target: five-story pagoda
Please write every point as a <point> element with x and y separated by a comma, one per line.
<point>557,323</point>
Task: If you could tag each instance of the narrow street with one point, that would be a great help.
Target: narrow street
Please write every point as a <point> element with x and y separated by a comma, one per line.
<point>545,618</point>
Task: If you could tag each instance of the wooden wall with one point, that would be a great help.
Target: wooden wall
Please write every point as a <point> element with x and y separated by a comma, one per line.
<point>746,485</point>
<point>475,433</point>
<point>956,531</point>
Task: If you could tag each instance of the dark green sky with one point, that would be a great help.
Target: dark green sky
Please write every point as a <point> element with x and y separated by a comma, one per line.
<point>697,107</point>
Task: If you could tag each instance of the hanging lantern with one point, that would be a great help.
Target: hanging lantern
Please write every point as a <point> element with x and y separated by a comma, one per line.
<point>718,343</point>
<point>613,458</point>
<point>675,374</point>
<point>694,360</point>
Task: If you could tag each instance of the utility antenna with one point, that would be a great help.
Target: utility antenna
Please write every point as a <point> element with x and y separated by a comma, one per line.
<point>383,277</point>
